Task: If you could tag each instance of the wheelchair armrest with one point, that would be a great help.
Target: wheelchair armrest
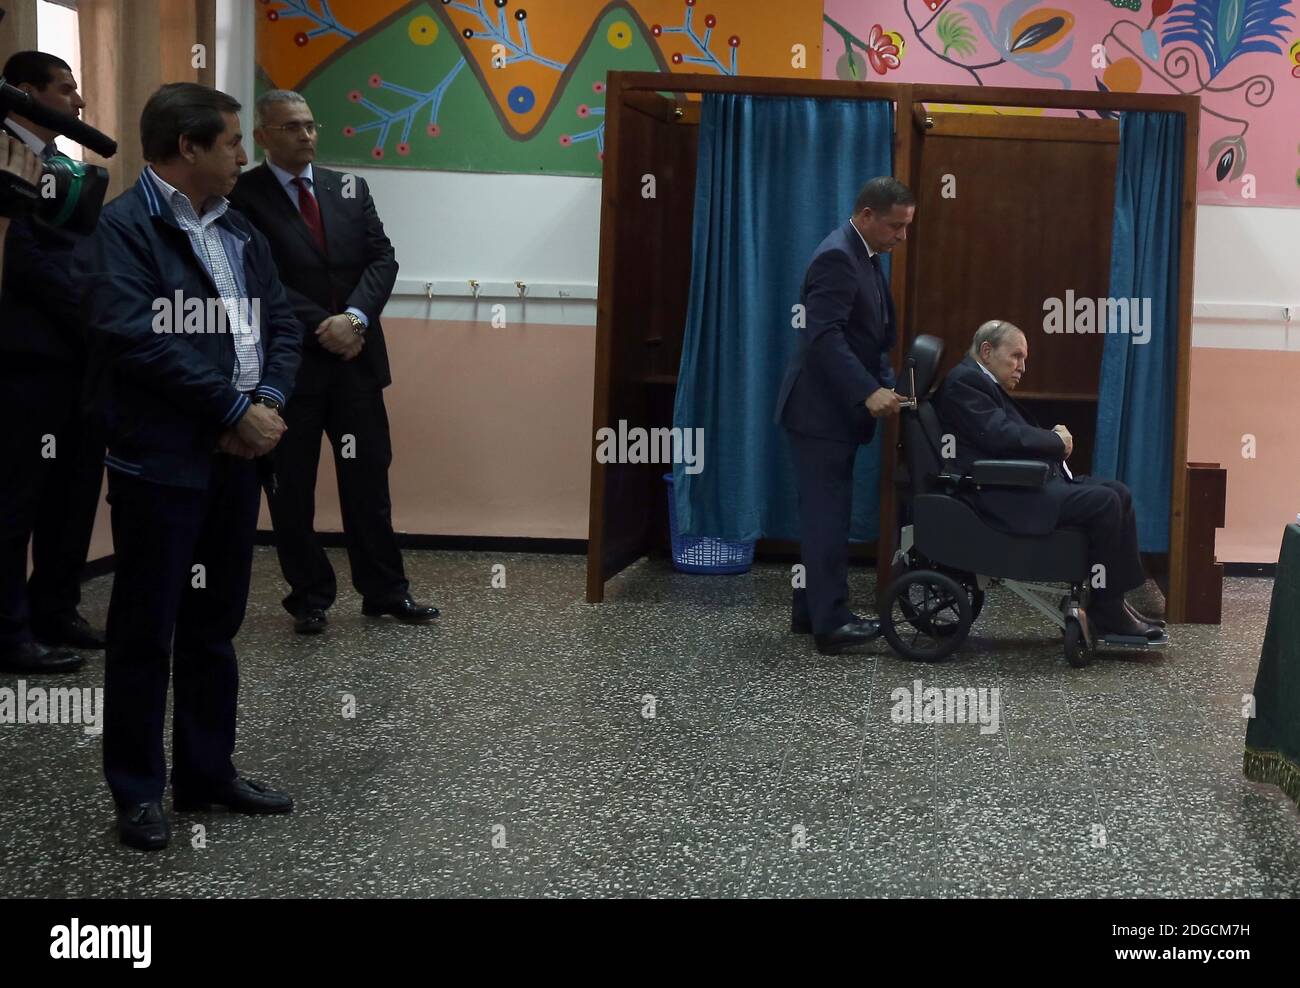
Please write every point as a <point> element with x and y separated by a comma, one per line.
<point>1009,473</point>
<point>951,483</point>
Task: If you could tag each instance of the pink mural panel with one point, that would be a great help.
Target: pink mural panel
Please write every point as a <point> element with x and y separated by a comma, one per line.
<point>1242,57</point>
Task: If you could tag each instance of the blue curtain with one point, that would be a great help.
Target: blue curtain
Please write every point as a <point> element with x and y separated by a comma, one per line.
<point>1135,407</point>
<point>775,175</point>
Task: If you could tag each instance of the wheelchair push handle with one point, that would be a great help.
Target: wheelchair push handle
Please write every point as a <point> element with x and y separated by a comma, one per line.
<point>909,400</point>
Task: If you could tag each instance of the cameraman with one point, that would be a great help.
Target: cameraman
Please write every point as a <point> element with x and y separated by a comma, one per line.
<point>52,458</point>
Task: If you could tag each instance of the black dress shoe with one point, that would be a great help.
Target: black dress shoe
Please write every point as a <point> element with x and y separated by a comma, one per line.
<point>402,608</point>
<point>1111,618</point>
<point>310,622</point>
<point>847,636</point>
<point>73,632</point>
<point>1142,618</point>
<point>803,625</point>
<point>36,658</point>
<point>239,795</point>
<point>143,827</point>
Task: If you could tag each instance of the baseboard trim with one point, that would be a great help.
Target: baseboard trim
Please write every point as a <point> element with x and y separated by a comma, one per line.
<point>95,568</point>
<point>458,543</point>
<point>1250,569</point>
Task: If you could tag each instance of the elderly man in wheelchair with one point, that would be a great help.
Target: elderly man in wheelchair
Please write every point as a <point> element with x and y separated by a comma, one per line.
<point>992,499</point>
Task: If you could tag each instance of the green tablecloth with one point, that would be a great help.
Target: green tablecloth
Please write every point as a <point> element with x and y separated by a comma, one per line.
<point>1273,736</point>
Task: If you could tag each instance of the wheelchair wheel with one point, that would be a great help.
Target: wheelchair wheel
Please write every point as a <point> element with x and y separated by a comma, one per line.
<point>973,593</point>
<point>1077,652</point>
<point>925,615</point>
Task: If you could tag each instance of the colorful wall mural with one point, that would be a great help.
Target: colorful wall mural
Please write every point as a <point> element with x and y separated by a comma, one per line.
<point>518,85</point>
<point>504,85</point>
<point>1242,57</point>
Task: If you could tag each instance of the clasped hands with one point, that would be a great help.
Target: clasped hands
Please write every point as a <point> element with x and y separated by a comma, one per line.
<point>337,335</point>
<point>1066,438</point>
<point>256,434</point>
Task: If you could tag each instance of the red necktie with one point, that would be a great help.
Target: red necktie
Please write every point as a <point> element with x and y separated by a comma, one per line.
<point>310,210</point>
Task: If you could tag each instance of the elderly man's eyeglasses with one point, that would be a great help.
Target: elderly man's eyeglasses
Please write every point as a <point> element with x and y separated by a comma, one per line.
<point>296,127</point>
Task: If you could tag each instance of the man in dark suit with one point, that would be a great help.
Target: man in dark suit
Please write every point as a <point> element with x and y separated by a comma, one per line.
<point>838,383</point>
<point>194,348</point>
<point>51,449</point>
<point>338,269</point>
<point>975,405</point>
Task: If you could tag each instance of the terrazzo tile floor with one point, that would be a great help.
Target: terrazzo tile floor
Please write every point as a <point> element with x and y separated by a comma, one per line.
<point>510,750</point>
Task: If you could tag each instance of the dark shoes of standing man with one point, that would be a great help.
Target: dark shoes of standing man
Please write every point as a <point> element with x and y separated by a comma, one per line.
<point>51,653</point>
<point>848,636</point>
<point>406,610</point>
<point>145,828</point>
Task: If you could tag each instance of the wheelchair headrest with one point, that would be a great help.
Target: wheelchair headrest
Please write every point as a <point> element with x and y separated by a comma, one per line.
<point>924,356</point>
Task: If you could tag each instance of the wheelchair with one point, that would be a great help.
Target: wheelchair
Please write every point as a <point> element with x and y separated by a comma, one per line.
<point>948,555</point>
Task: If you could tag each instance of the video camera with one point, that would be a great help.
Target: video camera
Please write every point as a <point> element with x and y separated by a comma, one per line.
<point>69,194</point>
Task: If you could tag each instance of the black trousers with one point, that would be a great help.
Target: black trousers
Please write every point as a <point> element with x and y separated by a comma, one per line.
<point>824,479</point>
<point>166,613</point>
<point>53,462</point>
<point>352,414</point>
<point>1103,509</point>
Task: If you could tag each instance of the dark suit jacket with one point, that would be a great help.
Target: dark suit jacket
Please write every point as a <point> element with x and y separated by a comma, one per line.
<point>360,269</point>
<point>988,424</point>
<point>39,318</point>
<point>844,346</point>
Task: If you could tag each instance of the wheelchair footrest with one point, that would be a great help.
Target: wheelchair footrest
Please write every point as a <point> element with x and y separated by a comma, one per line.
<point>1132,641</point>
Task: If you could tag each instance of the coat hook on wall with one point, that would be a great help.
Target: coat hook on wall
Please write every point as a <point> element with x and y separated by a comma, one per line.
<point>474,287</point>
<point>521,288</point>
<point>428,290</point>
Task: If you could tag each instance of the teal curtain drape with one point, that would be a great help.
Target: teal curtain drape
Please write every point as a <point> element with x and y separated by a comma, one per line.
<point>1135,407</point>
<point>775,175</point>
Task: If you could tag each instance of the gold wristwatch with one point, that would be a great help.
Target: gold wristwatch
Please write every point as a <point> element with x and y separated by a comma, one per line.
<point>358,326</point>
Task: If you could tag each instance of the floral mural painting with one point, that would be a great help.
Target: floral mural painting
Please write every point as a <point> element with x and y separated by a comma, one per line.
<point>882,50</point>
<point>1196,48</point>
<point>1241,57</point>
<point>1035,39</point>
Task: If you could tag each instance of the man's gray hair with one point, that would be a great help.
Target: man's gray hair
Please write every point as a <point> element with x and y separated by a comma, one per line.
<point>273,96</point>
<point>994,332</point>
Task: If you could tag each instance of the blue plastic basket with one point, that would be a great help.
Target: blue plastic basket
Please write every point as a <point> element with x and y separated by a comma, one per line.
<point>705,554</point>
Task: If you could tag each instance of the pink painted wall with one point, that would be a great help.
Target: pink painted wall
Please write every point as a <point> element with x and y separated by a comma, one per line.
<point>490,432</point>
<point>1239,393</point>
<point>490,436</point>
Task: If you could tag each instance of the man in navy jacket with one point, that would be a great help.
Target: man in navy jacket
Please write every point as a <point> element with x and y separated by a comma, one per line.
<point>194,350</point>
<point>838,383</point>
<point>975,403</point>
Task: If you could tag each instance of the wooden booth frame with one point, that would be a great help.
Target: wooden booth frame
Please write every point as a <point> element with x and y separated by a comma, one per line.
<point>637,92</point>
